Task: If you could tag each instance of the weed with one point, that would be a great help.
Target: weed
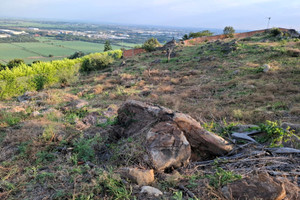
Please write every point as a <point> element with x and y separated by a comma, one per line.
<point>61,194</point>
<point>44,176</point>
<point>48,133</point>
<point>177,195</point>
<point>109,122</point>
<point>23,149</point>
<point>192,181</point>
<point>275,134</point>
<point>2,137</point>
<point>222,177</point>
<point>84,149</point>
<point>72,115</point>
<point>7,186</point>
<point>11,119</point>
<point>44,157</point>
<point>113,184</point>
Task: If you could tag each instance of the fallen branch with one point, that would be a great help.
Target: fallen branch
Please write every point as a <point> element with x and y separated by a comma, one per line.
<point>181,187</point>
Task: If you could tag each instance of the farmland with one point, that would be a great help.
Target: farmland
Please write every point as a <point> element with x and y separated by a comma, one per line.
<point>49,49</point>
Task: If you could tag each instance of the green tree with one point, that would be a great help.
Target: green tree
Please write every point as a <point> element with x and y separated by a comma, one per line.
<point>107,46</point>
<point>14,63</point>
<point>2,67</point>
<point>151,44</point>
<point>77,54</point>
<point>229,31</point>
<point>185,37</point>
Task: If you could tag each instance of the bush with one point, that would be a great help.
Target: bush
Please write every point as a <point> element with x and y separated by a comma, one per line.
<point>96,62</point>
<point>2,67</point>
<point>229,31</point>
<point>16,80</point>
<point>275,32</point>
<point>77,54</point>
<point>200,34</point>
<point>151,44</point>
<point>15,63</point>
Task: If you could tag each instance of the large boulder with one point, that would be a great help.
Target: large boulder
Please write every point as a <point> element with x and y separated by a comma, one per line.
<point>167,146</point>
<point>170,137</point>
<point>260,186</point>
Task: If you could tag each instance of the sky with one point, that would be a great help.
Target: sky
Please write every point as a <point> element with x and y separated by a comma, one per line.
<point>241,14</point>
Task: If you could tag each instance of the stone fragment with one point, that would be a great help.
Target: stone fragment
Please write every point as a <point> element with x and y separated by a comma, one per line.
<point>168,146</point>
<point>152,191</point>
<point>138,176</point>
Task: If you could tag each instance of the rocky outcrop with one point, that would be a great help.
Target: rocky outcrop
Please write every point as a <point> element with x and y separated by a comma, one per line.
<point>171,137</point>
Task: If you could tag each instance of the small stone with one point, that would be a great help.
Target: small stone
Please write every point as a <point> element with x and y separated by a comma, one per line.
<point>151,191</point>
<point>235,72</point>
<point>243,128</point>
<point>139,176</point>
<point>266,68</point>
<point>36,113</point>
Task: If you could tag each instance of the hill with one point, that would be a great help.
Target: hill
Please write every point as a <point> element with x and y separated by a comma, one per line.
<point>79,140</point>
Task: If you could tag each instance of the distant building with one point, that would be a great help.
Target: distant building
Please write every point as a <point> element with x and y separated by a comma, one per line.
<point>33,29</point>
<point>4,35</point>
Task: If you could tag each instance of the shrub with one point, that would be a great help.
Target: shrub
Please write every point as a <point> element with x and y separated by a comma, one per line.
<point>40,81</point>
<point>77,54</point>
<point>222,177</point>
<point>229,31</point>
<point>84,149</point>
<point>200,34</point>
<point>96,62</point>
<point>151,44</point>
<point>15,63</point>
<point>275,32</point>
<point>2,67</point>
<point>275,134</point>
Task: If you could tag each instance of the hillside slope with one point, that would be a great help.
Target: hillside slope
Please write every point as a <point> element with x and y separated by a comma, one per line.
<point>52,149</point>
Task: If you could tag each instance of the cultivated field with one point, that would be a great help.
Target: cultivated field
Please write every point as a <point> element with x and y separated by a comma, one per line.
<point>50,49</point>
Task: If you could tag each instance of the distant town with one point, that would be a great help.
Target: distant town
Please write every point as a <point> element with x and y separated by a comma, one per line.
<point>90,32</point>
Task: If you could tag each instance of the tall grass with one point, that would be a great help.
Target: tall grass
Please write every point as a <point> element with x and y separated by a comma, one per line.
<point>39,75</point>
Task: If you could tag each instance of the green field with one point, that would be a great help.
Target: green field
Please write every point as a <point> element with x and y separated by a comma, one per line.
<point>50,49</point>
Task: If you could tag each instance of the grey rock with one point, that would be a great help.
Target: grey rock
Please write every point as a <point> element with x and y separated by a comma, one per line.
<point>266,68</point>
<point>152,191</point>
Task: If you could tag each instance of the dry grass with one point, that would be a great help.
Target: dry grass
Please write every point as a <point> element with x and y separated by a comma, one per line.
<point>98,89</point>
<point>165,89</point>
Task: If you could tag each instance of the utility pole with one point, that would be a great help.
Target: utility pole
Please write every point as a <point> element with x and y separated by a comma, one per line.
<point>269,18</point>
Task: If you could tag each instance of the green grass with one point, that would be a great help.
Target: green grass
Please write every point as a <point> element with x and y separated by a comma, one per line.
<point>32,51</point>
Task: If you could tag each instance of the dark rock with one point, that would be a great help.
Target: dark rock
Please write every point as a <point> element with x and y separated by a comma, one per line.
<point>293,52</point>
<point>168,147</point>
<point>260,186</point>
<point>157,61</point>
<point>145,93</point>
<point>170,136</point>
